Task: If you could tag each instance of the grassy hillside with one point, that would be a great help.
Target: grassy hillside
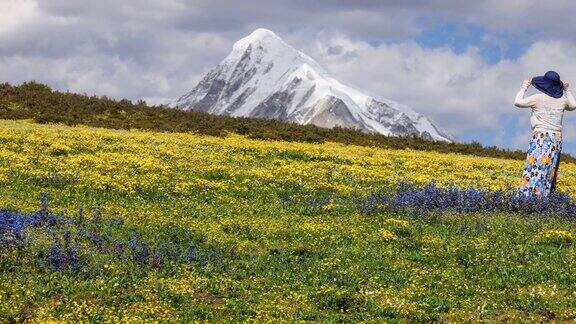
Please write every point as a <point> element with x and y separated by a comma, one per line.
<point>229,228</point>
<point>38,102</point>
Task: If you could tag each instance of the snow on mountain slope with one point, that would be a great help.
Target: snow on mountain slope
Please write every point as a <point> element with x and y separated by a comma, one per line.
<point>264,77</point>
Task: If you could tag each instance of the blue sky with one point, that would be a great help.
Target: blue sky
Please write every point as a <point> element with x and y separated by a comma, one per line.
<point>457,62</point>
<point>460,36</point>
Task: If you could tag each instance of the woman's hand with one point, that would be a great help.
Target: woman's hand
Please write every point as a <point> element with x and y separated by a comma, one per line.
<point>565,85</point>
<point>527,82</point>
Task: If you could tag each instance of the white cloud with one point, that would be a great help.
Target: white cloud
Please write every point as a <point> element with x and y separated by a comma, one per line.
<point>16,13</point>
<point>21,15</point>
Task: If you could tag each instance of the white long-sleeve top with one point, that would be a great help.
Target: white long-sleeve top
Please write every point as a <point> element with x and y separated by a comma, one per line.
<point>547,112</point>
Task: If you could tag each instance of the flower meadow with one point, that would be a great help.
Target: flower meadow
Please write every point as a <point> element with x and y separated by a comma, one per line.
<point>110,225</point>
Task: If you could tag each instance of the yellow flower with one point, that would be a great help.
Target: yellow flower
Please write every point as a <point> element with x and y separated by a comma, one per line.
<point>558,237</point>
<point>397,223</point>
<point>386,235</point>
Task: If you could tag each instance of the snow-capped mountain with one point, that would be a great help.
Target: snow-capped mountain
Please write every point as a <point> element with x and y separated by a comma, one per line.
<point>267,78</point>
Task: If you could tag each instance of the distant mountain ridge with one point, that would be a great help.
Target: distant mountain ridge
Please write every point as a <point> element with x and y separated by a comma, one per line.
<point>264,77</point>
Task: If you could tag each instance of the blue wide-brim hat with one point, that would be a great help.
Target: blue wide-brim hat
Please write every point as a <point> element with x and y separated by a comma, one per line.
<point>550,84</point>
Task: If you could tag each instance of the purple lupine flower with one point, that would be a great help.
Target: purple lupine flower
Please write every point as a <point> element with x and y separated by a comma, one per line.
<point>431,198</point>
<point>66,238</point>
<point>155,262</point>
<point>96,239</point>
<point>139,251</point>
<point>53,259</point>
<point>190,255</point>
<point>12,226</point>
<point>118,248</point>
<point>59,258</point>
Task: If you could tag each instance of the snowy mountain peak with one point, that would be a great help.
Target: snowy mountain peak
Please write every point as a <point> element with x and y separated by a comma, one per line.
<point>260,35</point>
<point>263,41</point>
<point>264,77</point>
<point>265,47</point>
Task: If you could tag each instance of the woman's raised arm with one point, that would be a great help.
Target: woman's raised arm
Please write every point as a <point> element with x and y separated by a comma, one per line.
<point>522,102</point>
<point>571,104</point>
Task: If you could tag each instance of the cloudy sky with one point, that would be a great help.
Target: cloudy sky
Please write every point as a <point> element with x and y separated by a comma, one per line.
<point>458,62</point>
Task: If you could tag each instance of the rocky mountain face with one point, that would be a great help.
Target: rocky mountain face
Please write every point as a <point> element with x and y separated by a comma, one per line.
<point>265,77</point>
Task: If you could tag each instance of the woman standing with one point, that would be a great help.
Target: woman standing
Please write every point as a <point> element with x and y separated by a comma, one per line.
<point>543,156</point>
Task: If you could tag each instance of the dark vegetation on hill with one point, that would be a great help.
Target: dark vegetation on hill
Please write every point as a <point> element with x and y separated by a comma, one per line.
<point>32,100</point>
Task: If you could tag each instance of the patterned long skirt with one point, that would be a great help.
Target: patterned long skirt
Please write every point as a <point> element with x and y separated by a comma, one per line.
<point>542,162</point>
